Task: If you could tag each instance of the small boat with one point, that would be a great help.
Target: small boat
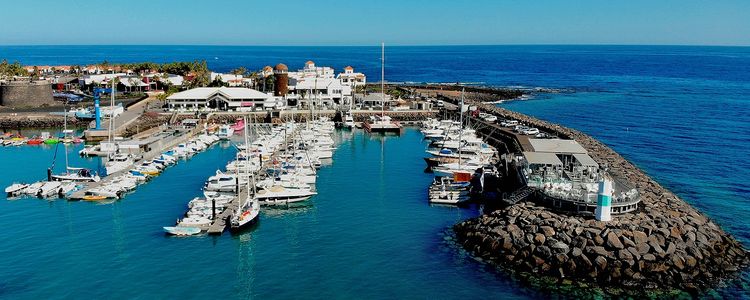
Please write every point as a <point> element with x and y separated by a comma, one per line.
<point>181,230</point>
<point>15,189</point>
<point>49,189</point>
<point>51,141</point>
<point>94,197</point>
<point>348,120</point>
<point>32,189</point>
<point>225,132</point>
<point>35,141</point>
<point>194,222</point>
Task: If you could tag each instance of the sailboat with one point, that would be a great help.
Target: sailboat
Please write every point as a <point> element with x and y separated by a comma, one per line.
<point>348,118</point>
<point>71,173</point>
<point>116,162</point>
<point>382,123</point>
<point>249,207</point>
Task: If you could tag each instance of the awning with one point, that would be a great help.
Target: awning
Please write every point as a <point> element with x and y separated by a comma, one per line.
<point>542,158</point>
<point>585,160</point>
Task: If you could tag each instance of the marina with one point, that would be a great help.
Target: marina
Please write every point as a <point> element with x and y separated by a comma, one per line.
<point>377,193</point>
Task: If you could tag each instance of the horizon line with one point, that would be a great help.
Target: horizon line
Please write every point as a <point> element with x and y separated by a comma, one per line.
<point>378,45</point>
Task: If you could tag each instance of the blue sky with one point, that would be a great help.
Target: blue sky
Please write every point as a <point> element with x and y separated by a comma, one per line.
<point>419,22</point>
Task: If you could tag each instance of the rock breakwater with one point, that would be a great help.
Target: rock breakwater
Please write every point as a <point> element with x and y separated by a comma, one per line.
<point>666,244</point>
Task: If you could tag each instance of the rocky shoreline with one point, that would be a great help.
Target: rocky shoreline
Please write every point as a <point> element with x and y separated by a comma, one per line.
<point>665,245</point>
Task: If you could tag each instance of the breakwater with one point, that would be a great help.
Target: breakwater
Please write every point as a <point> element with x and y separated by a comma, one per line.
<point>36,121</point>
<point>666,244</point>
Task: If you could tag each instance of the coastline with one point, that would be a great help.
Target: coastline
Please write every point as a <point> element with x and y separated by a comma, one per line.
<point>667,244</point>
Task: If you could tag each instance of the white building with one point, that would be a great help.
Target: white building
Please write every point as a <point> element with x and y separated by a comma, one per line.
<point>232,80</point>
<point>221,98</point>
<point>312,71</point>
<point>351,78</point>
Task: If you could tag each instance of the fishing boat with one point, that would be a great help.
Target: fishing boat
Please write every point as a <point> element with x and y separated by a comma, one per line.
<point>181,230</point>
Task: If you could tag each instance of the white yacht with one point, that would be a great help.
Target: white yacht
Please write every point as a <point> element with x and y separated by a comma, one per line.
<point>281,195</point>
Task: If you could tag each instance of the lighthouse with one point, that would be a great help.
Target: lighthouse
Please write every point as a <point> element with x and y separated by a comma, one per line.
<point>604,201</point>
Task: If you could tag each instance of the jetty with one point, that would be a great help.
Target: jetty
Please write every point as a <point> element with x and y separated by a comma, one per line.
<point>158,140</point>
<point>652,242</point>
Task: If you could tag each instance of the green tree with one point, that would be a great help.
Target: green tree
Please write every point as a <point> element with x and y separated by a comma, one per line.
<point>239,71</point>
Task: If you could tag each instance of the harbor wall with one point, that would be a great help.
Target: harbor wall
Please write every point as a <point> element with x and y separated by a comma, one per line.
<point>35,121</point>
<point>26,94</point>
<point>665,244</point>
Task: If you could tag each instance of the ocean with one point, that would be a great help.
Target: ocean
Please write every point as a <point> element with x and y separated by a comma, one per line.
<point>680,113</point>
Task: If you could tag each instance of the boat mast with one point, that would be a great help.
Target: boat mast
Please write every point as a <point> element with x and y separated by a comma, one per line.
<point>461,127</point>
<point>65,129</point>
<point>247,159</point>
<point>382,80</point>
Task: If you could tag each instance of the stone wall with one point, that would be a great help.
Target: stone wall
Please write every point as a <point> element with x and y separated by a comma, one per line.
<point>26,94</point>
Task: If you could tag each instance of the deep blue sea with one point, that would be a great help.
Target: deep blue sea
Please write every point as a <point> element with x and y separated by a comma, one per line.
<point>680,113</point>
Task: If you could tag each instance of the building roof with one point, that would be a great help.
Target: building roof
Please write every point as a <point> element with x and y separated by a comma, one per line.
<point>309,62</point>
<point>585,160</point>
<point>228,92</point>
<point>542,158</point>
<point>556,146</point>
<point>348,68</point>
<point>132,81</point>
<point>282,67</point>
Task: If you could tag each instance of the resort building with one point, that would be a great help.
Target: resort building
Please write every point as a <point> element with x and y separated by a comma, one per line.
<point>351,78</point>
<point>221,98</point>
<point>232,80</point>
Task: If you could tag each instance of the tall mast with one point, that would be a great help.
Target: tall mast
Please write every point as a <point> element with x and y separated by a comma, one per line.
<point>65,128</point>
<point>461,127</point>
<point>382,79</point>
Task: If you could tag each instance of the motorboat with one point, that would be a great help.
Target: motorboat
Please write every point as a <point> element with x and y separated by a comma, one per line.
<point>32,189</point>
<point>280,195</point>
<point>348,120</point>
<point>181,230</point>
<point>49,189</point>
<point>194,222</point>
<point>225,132</point>
<point>221,182</point>
<point>15,189</point>
<point>118,162</point>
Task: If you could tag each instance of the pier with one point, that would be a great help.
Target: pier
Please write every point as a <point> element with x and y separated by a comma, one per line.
<point>164,139</point>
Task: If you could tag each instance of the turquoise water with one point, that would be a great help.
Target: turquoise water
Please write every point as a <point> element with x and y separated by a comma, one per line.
<point>368,234</point>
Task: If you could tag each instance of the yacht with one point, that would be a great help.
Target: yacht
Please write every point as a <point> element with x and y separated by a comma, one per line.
<point>281,195</point>
<point>221,182</point>
<point>225,132</point>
